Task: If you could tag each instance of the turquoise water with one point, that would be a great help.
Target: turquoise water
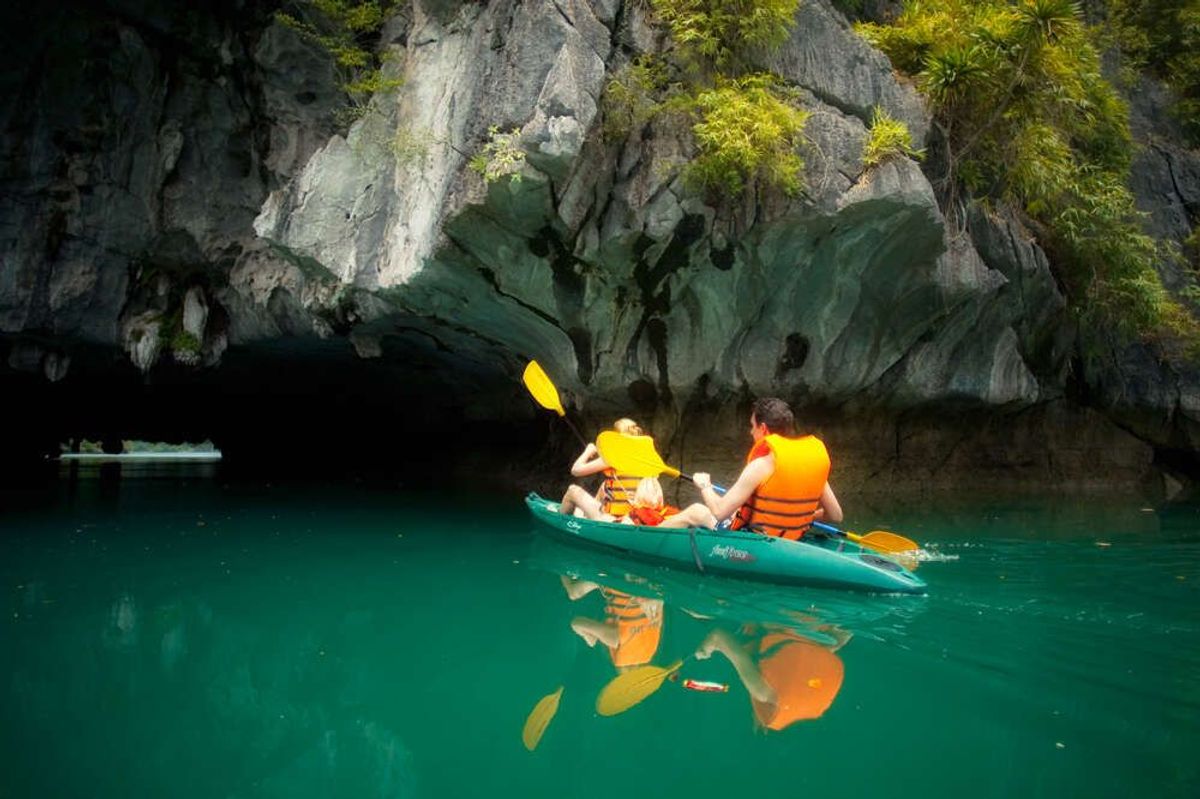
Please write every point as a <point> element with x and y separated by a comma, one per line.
<point>180,637</point>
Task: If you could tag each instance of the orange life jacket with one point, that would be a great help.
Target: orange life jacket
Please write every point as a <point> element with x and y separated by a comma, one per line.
<point>618,490</point>
<point>651,517</point>
<point>784,504</point>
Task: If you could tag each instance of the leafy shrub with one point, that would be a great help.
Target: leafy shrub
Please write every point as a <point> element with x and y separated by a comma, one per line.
<point>1191,248</point>
<point>1026,117</point>
<point>718,30</point>
<point>631,96</point>
<point>1163,36</point>
<point>747,129</point>
<point>888,138</point>
<point>347,30</point>
<point>500,156</point>
<point>185,342</point>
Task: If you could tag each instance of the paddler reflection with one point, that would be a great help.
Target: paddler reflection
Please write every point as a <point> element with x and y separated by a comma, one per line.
<point>632,626</point>
<point>790,677</point>
<point>631,632</point>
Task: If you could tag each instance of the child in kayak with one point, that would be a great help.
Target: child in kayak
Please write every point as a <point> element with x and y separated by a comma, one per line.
<point>646,508</point>
<point>649,509</point>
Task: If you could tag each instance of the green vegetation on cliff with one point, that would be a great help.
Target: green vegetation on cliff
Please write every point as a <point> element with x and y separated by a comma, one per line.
<point>746,130</point>
<point>887,138</point>
<point>348,30</point>
<point>719,31</point>
<point>501,156</point>
<point>1163,36</point>
<point>1025,117</point>
<point>748,126</point>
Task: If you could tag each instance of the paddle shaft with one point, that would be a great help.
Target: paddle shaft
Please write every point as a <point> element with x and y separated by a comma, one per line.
<point>575,430</point>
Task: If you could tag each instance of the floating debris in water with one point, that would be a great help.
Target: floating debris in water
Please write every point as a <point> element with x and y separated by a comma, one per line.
<point>1104,543</point>
<point>705,686</point>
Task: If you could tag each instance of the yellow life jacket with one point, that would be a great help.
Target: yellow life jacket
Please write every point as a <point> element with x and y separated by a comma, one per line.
<point>785,503</point>
<point>618,491</point>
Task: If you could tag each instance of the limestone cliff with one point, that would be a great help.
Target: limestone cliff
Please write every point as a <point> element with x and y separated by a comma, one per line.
<point>178,190</point>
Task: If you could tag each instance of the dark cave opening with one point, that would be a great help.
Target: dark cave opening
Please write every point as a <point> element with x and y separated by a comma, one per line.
<point>296,413</point>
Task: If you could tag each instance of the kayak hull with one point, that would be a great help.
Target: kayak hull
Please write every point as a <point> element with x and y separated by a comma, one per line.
<point>821,561</point>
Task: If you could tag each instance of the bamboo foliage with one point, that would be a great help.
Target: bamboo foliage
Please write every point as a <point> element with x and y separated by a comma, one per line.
<point>1025,116</point>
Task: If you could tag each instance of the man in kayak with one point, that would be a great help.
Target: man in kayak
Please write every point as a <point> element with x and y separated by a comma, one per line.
<point>784,486</point>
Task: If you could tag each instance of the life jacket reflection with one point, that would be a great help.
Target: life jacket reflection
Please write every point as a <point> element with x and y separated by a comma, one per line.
<point>784,505</point>
<point>804,675</point>
<point>638,635</point>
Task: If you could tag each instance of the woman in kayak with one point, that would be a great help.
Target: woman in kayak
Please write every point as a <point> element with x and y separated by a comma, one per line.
<point>616,489</point>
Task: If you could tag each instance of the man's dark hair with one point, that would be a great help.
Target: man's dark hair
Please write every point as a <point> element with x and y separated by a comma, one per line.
<point>775,414</point>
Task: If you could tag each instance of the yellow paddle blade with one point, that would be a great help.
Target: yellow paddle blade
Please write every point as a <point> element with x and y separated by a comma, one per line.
<point>542,389</point>
<point>883,541</point>
<point>896,547</point>
<point>539,719</point>
<point>626,690</point>
<point>632,455</point>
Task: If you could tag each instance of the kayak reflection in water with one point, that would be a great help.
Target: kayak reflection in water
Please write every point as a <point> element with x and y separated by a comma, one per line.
<point>632,626</point>
<point>789,677</point>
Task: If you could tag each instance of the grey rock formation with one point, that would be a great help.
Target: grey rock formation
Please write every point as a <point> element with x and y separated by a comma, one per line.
<point>826,57</point>
<point>190,209</point>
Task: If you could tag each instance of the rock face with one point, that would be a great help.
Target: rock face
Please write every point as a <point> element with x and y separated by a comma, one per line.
<point>182,190</point>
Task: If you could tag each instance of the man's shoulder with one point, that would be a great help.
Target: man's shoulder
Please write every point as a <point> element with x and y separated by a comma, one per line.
<point>761,467</point>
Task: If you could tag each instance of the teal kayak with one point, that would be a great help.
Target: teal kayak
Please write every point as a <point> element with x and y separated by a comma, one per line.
<point>816,560</point>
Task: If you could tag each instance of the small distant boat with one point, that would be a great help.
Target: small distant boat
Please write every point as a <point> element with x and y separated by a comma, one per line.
<point>816,560</point>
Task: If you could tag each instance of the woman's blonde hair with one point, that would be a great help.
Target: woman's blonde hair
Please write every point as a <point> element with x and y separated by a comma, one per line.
<point>628,427</point>
<point>649,493</point>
